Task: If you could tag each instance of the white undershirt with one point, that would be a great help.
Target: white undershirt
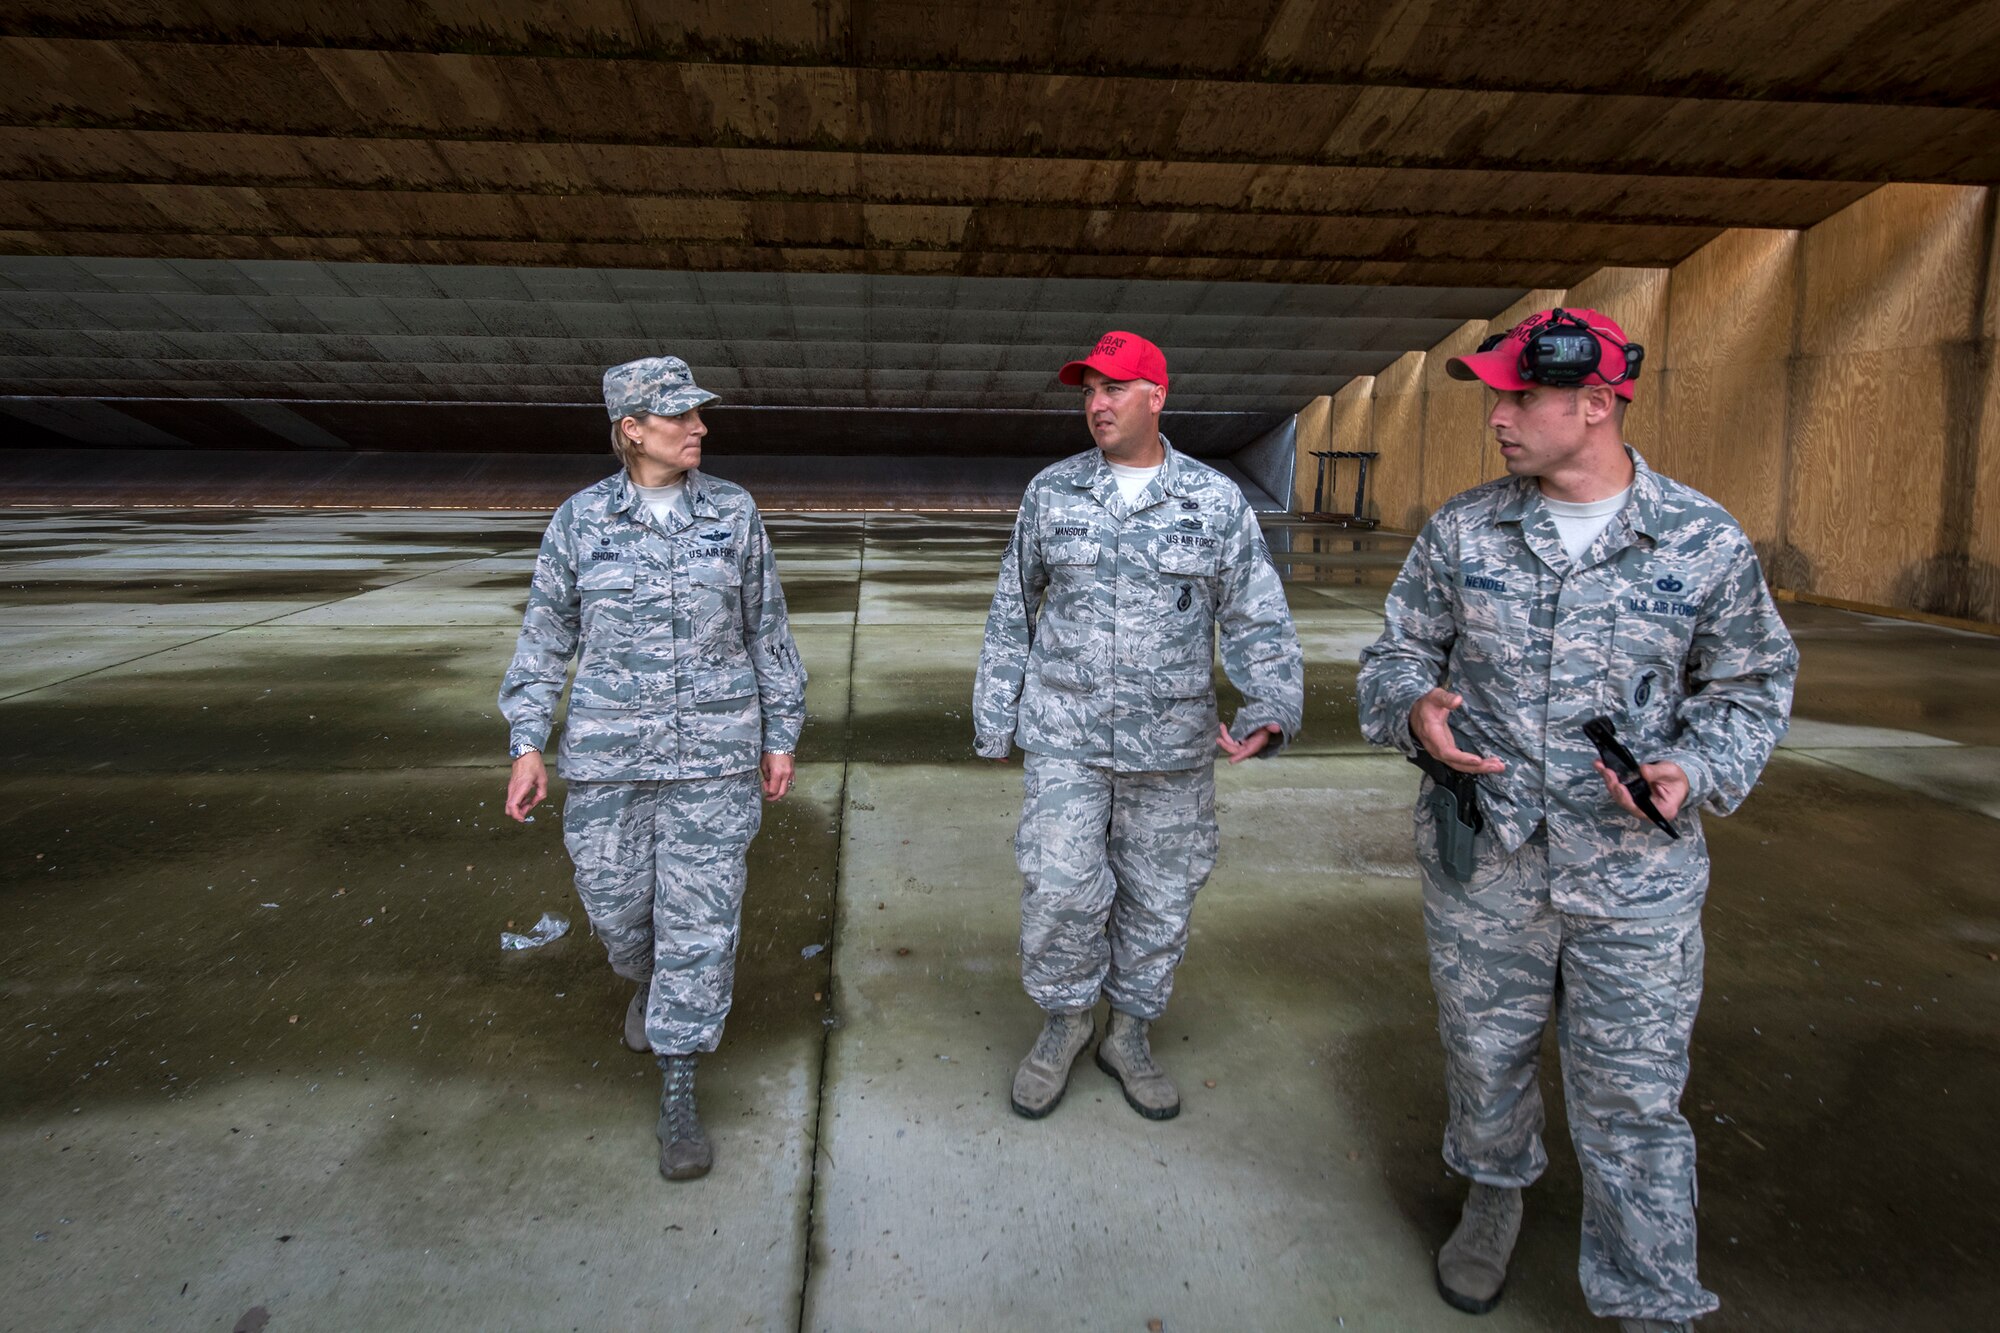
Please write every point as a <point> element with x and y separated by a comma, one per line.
<point>1579,524</point>
<point>1132,480</point>
<point>664,501</point>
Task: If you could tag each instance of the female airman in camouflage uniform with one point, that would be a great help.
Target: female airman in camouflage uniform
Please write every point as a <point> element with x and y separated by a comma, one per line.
<point>660,583</point>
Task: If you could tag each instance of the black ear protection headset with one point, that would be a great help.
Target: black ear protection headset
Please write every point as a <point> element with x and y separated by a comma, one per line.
<point>1563,351</point>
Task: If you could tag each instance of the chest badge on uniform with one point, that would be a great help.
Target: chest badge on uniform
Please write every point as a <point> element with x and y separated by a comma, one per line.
<point>1189,525</point>
<point>1669,584</point>
<point>1642,693</point>
<point>715,536</point>
<point>1191,504</point>
<point>1187,597</point>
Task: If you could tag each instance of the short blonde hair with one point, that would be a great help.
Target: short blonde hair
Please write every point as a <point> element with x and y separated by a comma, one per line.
<point>623,447</point>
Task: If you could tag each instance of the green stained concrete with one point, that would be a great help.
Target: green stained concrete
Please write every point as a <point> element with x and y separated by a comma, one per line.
<point>349,1106</point>
<point>208,711</point>
<point>1858,669</point>
<point>1267,1203</point>
<point>913,692</point>
<point>39,655</point>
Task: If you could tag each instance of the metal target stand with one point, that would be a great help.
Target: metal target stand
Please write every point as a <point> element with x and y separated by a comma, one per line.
<point>1327,473</point>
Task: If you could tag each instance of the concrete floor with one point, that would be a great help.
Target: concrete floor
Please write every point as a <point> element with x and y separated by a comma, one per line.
<point>259,1046</point>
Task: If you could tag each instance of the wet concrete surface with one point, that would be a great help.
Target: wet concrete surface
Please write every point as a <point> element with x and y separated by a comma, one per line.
<point>259,1046</point>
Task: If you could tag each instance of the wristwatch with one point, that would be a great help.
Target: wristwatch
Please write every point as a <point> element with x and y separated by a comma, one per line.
<point>516,750</point>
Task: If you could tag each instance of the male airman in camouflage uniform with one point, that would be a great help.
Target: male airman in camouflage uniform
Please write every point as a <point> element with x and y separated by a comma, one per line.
<point>687,685</point>
<point>1097,662</point>
<point>1500,643</point>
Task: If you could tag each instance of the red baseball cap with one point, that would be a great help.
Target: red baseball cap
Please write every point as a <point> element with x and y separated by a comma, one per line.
<point>1121,356</point>
<point>1500,366</point>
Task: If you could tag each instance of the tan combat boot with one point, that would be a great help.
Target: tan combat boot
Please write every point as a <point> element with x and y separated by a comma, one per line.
<point>635,1021</point>
<point>1126,1056</point>
<point>1040,1081</point>
<point>1472,1266</point>
<point>684,1150</point>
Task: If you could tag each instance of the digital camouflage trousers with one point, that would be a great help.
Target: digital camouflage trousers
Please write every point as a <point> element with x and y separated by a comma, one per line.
<point>1622,993</point>
<point>660,867</point>
<point>1110,864</point>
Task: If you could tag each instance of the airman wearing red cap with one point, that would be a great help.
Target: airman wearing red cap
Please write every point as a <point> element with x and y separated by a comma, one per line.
<point>1098,662</point>
<point>1581,656</point>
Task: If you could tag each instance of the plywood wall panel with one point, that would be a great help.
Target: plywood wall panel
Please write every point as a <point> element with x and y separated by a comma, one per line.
<point>1899,268</point>
<point>1635,297</point>
<point>1457,452</point>
<point>1732,300</point>
<point>1723,375</point>
<point>1397,425</point>
<point>1350,425</point>
<point>1313,420</point>
<point>1983,541</point>
<point>1541,298</point>
<point>1887,386</point>
<point>1725,436</point>
<point>1869,443</point>
<point>1983,544</point>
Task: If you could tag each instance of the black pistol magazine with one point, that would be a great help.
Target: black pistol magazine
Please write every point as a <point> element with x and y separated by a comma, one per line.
<point>1604,735</point>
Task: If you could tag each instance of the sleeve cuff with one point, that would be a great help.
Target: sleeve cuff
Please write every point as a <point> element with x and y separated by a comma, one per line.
<point>1399,705</point>
<point>1701,783</point>
<point>1250,720</point>
<point>993,747</point>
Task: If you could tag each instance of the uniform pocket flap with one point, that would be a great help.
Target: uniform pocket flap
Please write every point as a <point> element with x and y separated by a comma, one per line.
<point>1183,682</point>
<point>1060,673</point>
<point>605,576</point>
<point>1187,560</point>
<point>713,572</point>
<point>716,686</point>
<point>1073,553</point>
<point>1636,638</point>
<point>583,710</point>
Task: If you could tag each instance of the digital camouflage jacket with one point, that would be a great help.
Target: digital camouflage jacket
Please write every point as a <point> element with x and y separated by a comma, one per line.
<point>1665,626</point>
<point>1100,645</point>
<point>685,664</point>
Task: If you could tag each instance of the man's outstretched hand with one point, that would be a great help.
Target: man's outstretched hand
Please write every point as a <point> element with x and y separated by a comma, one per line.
<point>1250,746</point>
<point>1430,724</point>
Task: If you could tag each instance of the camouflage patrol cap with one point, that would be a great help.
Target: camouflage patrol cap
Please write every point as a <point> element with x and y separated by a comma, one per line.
<point>662,385</point>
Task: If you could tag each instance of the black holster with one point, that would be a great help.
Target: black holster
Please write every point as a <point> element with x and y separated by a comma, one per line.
<point>1454,803</point>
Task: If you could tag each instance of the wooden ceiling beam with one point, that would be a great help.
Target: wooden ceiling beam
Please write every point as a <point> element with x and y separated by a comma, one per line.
<point>263,162</point>
<point>597,219</point>
<point>1890,52</point>
<point>365,94</point>
<point>374,218</point>
<point>736,257</point>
